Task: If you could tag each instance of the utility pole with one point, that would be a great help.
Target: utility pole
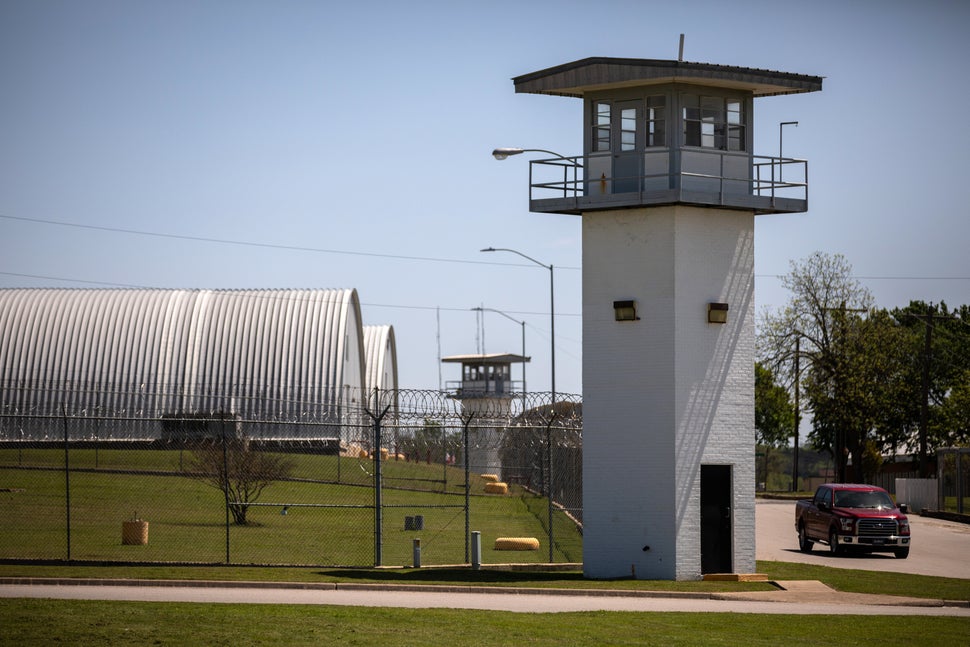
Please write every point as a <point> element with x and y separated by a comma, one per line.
<point>840,432</point>
<point>924,412</point>
<point>794,463</point>
<point>924,409</point>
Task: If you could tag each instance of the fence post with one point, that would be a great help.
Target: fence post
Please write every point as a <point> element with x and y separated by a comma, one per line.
<point>959,481</point>
<point>444,457</point>
<point>549,481</point>
<point>464,432</point>
<point>476,550</point>
<point>67,481</point>
<point>225,480</point>
<point>378,499</point>
<point>378,482</point>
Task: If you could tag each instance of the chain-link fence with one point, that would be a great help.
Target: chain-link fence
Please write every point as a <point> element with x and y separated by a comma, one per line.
<point>352,485</point>
<point>953,479</point>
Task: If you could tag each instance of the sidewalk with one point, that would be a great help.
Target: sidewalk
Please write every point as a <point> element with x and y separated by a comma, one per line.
<point>794,592</point>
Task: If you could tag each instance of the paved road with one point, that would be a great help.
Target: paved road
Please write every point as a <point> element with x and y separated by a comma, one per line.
<point>940,547</point>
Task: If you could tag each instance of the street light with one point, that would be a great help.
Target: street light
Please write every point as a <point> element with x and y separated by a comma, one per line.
<point>521,323</point>
<point>781,134</point>
<point>552,308</point>
<point>781,156</point>
<point>567,164</point>
<point>503,153</point>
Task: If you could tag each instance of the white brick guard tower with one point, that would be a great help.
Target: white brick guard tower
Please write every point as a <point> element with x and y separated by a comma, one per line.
<point>668,190</point>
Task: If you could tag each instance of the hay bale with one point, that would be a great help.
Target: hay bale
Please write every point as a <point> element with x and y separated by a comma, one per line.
<point>134,533</point>
<point>491,478</point>
<point>516,543</point>
<point>496,488</point>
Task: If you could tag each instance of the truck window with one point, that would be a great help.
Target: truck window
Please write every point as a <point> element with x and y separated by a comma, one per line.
<point>822,496</point>
<point>874,499</point>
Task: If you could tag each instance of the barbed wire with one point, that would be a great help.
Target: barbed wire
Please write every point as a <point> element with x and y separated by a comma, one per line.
<point>27,409</point>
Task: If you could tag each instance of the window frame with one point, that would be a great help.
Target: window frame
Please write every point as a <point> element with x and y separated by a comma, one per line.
<point>714,122</point>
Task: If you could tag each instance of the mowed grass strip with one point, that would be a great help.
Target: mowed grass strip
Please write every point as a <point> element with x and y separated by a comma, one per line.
<point>32,622</point>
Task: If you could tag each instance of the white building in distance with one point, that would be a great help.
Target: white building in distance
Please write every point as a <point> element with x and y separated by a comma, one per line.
<point>271,355</point>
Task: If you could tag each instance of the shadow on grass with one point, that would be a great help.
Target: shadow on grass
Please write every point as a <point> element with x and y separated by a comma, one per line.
<point>527,579</point>
<point>452,575</point>
<point>847,553</point>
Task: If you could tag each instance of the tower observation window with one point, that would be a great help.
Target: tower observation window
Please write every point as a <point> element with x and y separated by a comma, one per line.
<point>713,122</point>
<point>628,129</point>
<point>655,121</point>
<point>630,126</point>
<point>602,122</point>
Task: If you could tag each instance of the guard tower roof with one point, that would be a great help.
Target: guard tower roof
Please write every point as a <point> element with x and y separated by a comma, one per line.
<point>603,73</point>
<point>488,358</point>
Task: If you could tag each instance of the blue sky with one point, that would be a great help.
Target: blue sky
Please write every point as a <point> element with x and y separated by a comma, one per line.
<point>347,145</point>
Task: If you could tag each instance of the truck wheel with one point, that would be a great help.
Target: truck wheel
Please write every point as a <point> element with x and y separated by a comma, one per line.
<point>804,543</point>
<point>901,553</point>
<point>834,547</point>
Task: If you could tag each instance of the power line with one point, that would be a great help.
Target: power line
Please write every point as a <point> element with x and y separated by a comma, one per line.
<point>882,278</point>
<point>248,243</point>
<point>113,284</point>
<point>430,259</point>
<point>82,281</point>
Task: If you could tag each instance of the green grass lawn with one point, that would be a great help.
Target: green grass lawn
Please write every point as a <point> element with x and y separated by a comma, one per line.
<point>187,525</point>
<point>329,519</point>
<point>33,622</point>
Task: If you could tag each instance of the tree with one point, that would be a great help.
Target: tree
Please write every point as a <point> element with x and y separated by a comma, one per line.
<point>950,379</point>
<point>431,442</point>
<point>938,364</point>
<point>824,316</point>
<point>241,473</point>
<point>953,429</point>
<point>774,414</point>
<point>849,396</point>
<point>821,286</point>
<point>875,382</point>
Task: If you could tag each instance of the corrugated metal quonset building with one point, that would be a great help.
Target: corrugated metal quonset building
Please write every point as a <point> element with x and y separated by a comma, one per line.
<point>296,357</point>
<point>380,351</point>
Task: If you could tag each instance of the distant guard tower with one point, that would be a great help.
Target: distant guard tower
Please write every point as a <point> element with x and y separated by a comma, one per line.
<point>486,389</point>
<point>667,188</point>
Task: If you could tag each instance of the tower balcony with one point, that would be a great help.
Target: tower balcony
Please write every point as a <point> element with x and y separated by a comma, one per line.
<point>666,176</point>
<point>472,389</point>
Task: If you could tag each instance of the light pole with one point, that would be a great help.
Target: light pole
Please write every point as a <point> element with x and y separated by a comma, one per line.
<point>798,414</point>
<point>781,139</point>
<point>552,311</point>
<point>521,323</point>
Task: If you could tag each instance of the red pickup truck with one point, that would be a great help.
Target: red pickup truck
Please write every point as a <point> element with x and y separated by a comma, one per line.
<point>845,515</point>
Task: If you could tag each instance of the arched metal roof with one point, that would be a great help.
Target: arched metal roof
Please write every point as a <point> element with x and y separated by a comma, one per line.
<point>260,353</point>
<point>380,350</point>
